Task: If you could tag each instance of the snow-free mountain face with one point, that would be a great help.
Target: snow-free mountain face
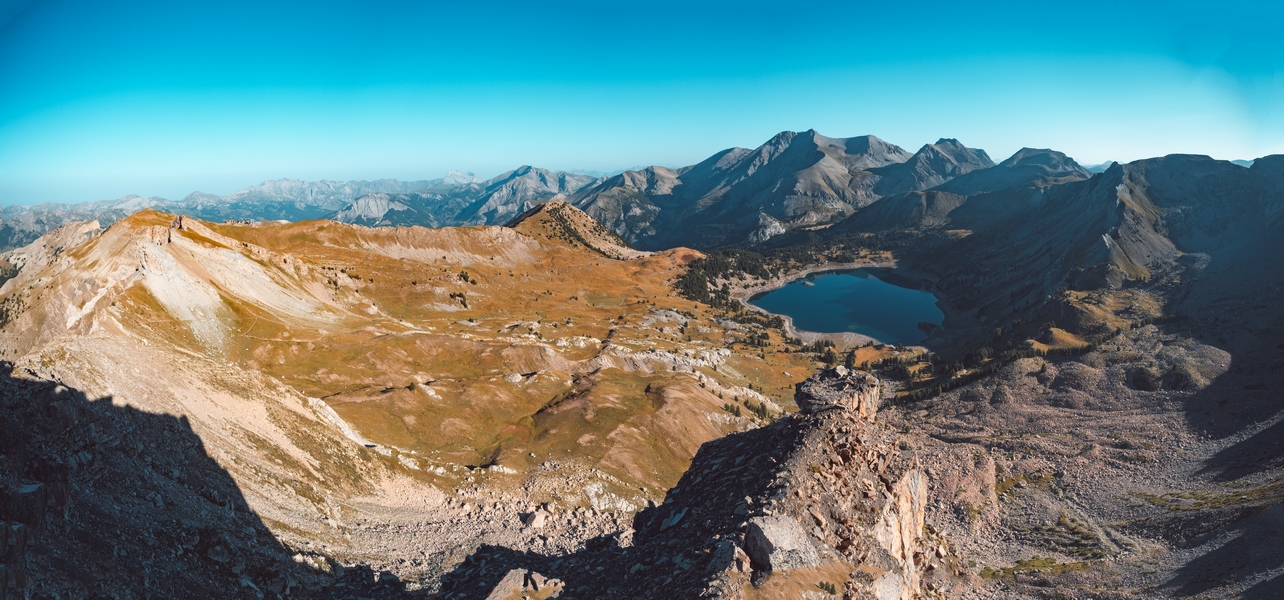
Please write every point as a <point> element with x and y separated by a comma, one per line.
<point>931,166</point>
<point>1028,167</point>
<point>1048,226</point>
<point>740,195</point>
<point>735,197</point>
<point>991,195</point>
<point>510,194</point>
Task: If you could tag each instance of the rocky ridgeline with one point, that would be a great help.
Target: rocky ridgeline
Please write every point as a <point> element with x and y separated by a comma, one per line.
<point>824,489</point>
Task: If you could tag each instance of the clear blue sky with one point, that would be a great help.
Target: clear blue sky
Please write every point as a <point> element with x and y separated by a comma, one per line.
<point>100,99</point>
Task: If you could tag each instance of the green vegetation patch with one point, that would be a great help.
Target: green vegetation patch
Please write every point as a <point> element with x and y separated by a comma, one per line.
<point>1070,535</point>
<point>1190,500</point>
<point>1037,564</point>
<point>1006,485</point>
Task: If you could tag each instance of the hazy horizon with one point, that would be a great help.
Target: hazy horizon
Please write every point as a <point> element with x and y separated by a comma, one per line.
<point>102,100</point>
<point>232,186</point>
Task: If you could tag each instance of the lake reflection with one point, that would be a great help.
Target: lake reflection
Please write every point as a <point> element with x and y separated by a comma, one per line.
<point>855,301</point>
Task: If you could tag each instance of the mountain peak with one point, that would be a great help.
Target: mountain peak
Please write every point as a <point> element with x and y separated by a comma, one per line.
<point>1027,167</point>
<point>561,223</point>
<point>460,178</point>
<point>1051,160</point>
<point>931,166</point>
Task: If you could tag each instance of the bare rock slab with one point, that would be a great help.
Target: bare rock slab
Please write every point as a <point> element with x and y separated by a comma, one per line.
<point>778,542</point>
<point>520,584</point>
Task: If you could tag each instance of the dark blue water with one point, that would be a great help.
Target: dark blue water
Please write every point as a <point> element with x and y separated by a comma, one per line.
<point>855,301</point>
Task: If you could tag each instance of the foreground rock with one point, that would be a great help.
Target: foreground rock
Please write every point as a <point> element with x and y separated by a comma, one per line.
<point>818,500</point>
<point>779,542</point>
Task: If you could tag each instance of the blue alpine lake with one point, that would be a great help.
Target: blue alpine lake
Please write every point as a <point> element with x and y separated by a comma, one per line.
<point>856,301</point>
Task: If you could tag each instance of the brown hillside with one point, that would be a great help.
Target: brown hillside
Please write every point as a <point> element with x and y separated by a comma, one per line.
<point>338,372</point>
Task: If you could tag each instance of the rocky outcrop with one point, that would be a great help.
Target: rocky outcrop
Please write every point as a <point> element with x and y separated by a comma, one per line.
<point>825,490</point>
<point>17,265</point>
<point>558,222</point>
<point>839,389</point>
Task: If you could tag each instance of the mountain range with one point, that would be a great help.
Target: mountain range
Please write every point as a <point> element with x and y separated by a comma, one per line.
<point>279,199</point>
<point>736,196</point>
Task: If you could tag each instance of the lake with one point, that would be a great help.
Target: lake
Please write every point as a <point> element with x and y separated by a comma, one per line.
<point>857,301</point>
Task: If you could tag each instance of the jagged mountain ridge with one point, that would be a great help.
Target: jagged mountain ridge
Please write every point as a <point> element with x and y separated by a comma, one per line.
<point>1015,246</point>
<point>739,195</point>
<point>1027,167</point>
<point>295,200</point>
<point>995,194</point>
<point>931,166</point>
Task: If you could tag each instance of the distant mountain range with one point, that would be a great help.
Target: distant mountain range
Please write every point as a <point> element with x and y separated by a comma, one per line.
<point>490,202</point>
<point>279,199</point>
<point>739,196</point>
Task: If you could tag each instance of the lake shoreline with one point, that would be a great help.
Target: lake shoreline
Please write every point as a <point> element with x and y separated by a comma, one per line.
<point>844,340</point>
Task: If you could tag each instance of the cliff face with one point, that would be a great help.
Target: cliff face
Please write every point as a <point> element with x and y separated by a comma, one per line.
<point>821,498</point>
<point>858,497</point>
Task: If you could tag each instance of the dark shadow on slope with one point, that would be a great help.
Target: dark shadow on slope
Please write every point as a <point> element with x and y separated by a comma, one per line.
<point>118,502</point>
<point>363,582</point>
<point>1261,452</point>
<point>669,557</point>
<point>1235,310</point>
<point>1256,547</point>
<point>1239,400</point>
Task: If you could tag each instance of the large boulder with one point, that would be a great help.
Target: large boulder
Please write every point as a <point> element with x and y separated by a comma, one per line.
<point>778,542</point>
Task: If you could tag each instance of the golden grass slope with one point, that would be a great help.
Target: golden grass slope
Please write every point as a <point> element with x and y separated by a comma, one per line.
<point>524,348</point>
